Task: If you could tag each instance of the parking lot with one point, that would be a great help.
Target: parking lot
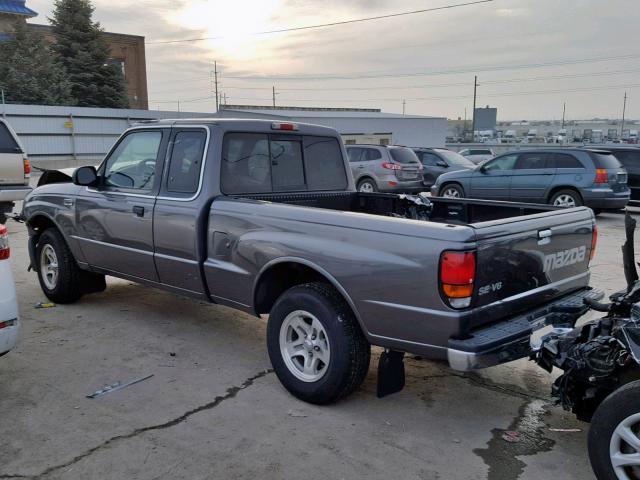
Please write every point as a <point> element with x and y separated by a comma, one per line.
<point>214,409</point>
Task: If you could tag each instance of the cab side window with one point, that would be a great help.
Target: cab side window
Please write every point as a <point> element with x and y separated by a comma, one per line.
<point>186,161</point>
<point>531,161</point>
<point>506,162</point>
<point>132,165</point>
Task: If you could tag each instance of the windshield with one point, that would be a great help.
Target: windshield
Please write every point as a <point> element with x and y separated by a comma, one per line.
<point>454,158</point>
<point>403,155</point>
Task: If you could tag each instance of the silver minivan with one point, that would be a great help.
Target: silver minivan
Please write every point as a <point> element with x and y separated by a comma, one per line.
<point>385,168</point>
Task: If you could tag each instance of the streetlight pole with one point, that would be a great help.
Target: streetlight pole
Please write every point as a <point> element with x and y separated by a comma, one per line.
<point>473,122</point>
<point>624,111</point>
<point>564,109</point>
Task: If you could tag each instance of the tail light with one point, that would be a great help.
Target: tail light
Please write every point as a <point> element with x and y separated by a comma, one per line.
<point>4,243</point>
<point>594,242</point>
<point>7,323</point>
<point>284,126</point>
<point>391,166</point>
<point>27,167</point>
<point>457,275</point>
<point>601,176</point>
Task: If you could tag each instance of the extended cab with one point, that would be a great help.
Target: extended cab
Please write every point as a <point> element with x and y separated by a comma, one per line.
<point>15,170</point>
<point>264,217</point>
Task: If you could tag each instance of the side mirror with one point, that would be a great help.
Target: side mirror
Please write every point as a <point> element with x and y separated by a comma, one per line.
<point>85,176</point>
<point>482,169</point>
<point>442,163</point>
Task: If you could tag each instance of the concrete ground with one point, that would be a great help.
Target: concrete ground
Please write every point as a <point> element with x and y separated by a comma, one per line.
<point>214,409</point>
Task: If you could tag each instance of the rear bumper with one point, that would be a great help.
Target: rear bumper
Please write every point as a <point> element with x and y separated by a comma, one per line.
<point>402,186</point>
<point>510,339</point>
<point>605,198</point>
<point>13,193</point>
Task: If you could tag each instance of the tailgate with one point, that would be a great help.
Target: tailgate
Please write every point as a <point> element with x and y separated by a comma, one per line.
<point>526,261</point>
<point>11,168</point>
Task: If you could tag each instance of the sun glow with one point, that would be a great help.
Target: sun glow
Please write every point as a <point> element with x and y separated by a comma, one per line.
<point>233,20</point>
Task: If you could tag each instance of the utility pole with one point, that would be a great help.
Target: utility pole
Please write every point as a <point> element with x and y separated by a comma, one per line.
<point>473,122</point>
<point>624,111</point>
<point>4,111</point>
<point>564,109</point>
<point>178,106</point>
<point>273,89</point>
<point>215,80</point>
<point>403,105</point>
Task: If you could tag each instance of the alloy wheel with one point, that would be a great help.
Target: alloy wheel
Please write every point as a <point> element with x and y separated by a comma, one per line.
<point>625,448</point>
<point>304,346</point>
<point>49,266</point>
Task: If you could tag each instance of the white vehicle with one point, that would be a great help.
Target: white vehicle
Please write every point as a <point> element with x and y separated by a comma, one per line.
<point>8,303</point>
<point>510,136</point>
<point>477,155</point>
<point>561,137</point>
<point>597,136</point>
<point>532,134</point>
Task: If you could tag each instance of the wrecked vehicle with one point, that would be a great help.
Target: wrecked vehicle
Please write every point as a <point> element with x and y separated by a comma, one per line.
<point>600,360</point>
<point>264,217</point>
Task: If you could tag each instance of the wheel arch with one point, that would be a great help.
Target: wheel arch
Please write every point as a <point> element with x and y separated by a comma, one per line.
<point>280,274</point>
<point>555,190</point>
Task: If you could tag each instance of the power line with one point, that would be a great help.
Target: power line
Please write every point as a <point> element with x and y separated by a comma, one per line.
<point>330,24</point>
<point>455,70</point>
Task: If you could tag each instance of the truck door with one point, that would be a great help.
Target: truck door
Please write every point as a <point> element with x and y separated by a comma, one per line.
<point>179,243</point>
<point>115,219</point>
<point>532,177</point>
<point>493,180</point>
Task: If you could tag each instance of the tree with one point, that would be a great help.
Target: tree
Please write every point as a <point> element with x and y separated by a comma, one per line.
<point>29,73</point>
<point>84,53</point>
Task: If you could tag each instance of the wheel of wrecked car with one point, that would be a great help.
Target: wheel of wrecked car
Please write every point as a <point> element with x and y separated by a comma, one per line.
<point>566,199</point>
<point>452,191</point>
<point>614,437</point>
<point>367,186</point>
<point>59,275</point>
<point>315,344</point>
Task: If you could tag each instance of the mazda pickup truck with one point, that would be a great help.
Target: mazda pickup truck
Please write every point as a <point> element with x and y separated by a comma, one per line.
<point>264,217</point>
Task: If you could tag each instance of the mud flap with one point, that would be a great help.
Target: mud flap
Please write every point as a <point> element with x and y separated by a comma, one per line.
<point>391,377</point>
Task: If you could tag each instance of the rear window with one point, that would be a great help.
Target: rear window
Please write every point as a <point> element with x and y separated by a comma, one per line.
<point>7,142</point>
<point>454,158</point>
<point>260,163</point>
<point>628,158</point>
<point>605,160</point>
<point>403,155</point>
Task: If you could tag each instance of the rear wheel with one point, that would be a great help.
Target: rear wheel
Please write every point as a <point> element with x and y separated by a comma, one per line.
<point>614,437</point>
<point>315,344</point>
<point>452,191</point>
<point>367,186</point>
<point>566,198</point>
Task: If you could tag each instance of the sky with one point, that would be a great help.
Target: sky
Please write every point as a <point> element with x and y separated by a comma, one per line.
<point>530,56</point>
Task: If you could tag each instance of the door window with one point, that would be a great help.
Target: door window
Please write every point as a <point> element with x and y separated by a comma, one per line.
<point>429,159</point>
<point>564,160</point>
<point>371,154</point>
<point>531,161</point>
<point>506,162</point>
<point>132,165</point>
<point>186,161</point>
<point>355,154</point>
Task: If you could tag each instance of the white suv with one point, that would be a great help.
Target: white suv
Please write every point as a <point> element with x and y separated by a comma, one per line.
<point>8,303</point>
<point>477,155</point>
<point>15,170</point>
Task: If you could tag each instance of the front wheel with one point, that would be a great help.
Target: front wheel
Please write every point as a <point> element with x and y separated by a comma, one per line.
<point>614,437</point>
<point>452,191</point>
<point>315,344</point>
<point>61,280</point>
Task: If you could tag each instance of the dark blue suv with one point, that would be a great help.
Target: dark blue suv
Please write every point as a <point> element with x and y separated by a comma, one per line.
<point>562,177</point>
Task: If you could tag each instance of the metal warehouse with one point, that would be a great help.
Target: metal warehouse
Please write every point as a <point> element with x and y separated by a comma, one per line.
<point>354,124</point>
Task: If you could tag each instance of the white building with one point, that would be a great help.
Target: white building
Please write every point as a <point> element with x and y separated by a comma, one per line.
<point>354,124</point>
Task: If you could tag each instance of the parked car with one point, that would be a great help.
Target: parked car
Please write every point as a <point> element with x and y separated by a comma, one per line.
<point>385,168</point>
<point>477,155</point>
<point>264,217</point>
<point>15,170</point>
<point>629,157</point>
<point>437,161</point>
<point>560,177</point>
<point>8,304</point>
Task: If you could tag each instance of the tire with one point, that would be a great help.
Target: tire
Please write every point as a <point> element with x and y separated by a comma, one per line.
<point>61,280</point>
<point>617,409</point>
<point>566,198</point>
<point>338,339</point>
<point>451,190</point>
<point>367,186</point>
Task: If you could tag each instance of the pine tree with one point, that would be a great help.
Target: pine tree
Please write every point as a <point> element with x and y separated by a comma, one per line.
<point>29,73</point>
<point>84,53</point>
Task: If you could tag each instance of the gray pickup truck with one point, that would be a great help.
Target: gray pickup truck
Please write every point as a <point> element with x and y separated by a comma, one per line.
<point>264,217</point>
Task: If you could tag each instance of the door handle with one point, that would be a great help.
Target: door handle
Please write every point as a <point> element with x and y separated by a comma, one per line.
<point>544,237</point>
<point>68,202</point>
<point>361,166</point>
<point>139,211</point>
